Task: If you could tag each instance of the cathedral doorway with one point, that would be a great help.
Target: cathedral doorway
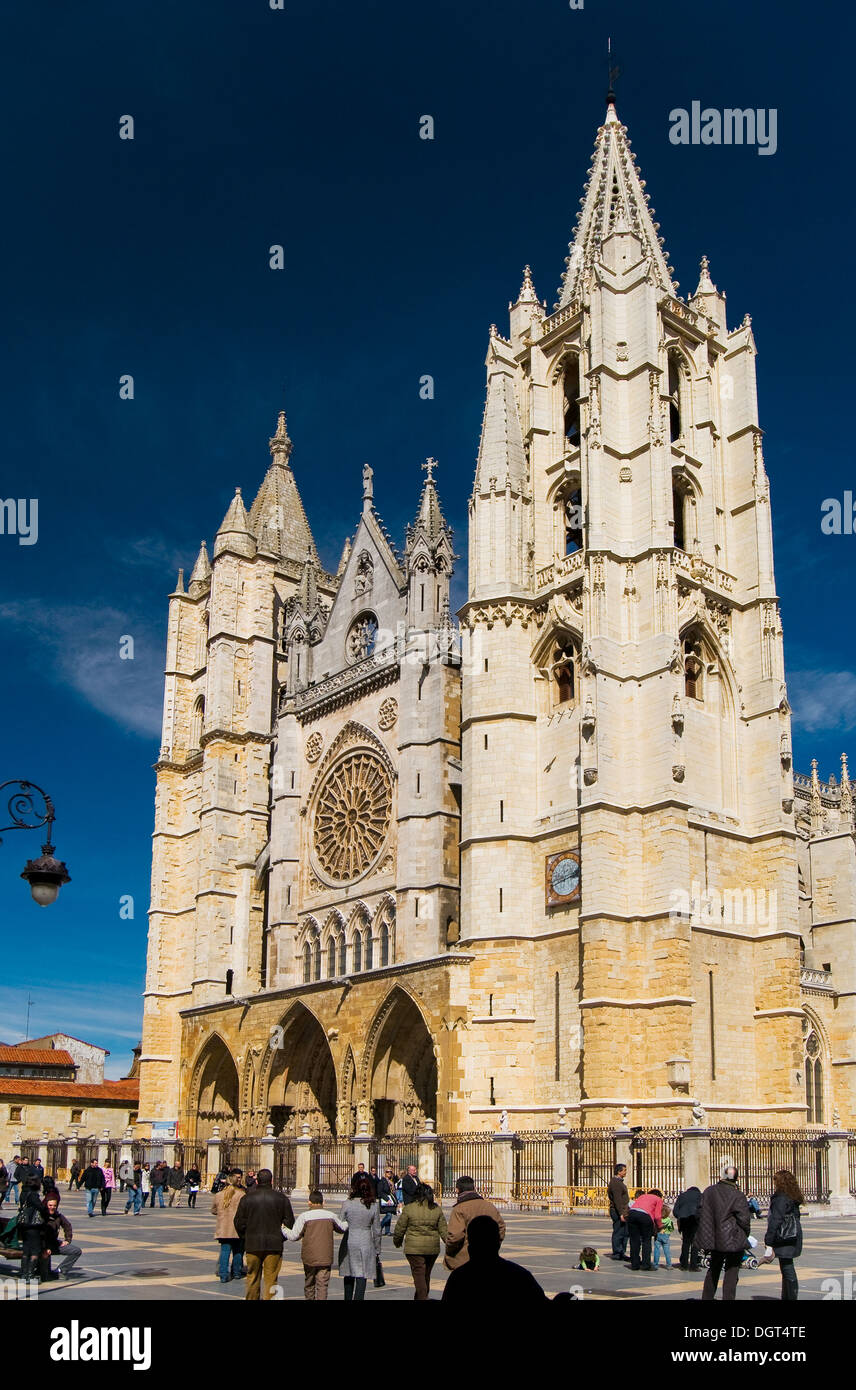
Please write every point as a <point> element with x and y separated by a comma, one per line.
<point>214,1092</point>
<point>401,1068</point>
<point>301,1079</point>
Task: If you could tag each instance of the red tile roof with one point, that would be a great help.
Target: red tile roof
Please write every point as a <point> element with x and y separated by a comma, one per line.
<point>36,1056</point>
<point>110,1092</point>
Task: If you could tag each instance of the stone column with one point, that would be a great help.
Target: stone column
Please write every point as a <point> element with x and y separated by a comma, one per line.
<point>42,1149</point>
<point>266,1150</point>
<point>304,1177</point>
<point>623,1152</point>
<point>561,1159</point>
<point>426,1155</point>
<point>125,1150</point>
<point>502,1157</point>
<point>696,1158</point>
<point>841,1200</point>
<point>362,1146</point>
<point>104,1148</point>
<point>214,1153</point>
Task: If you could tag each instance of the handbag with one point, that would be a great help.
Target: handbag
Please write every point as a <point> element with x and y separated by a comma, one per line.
<point>379,1281</point>
<point>788,1228</point>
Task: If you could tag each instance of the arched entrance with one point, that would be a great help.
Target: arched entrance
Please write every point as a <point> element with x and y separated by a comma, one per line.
<point>400,1076</point>
<point>214,1091</point>
<point>301,1078</point>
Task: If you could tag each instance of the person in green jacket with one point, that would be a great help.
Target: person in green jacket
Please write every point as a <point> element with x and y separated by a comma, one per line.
<point>420,1228</point>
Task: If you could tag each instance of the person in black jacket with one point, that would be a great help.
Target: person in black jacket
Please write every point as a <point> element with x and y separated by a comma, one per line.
<point>724,1224</point>
<point>193,1178</point>
<point>259,1219</point>
<point>94,1182</point>
<point>409,1185</point>
<point>31,1226</point>
<point>685,1212</point>
<point>74,1175</point>
<point>784,1230</point>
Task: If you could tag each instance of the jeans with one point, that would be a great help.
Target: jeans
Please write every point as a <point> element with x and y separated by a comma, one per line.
<point>316,1281</point>
<point>662,1243</point>
<point>191,1198</point>
<point>92,1195</point>
<point>420,1268</point>
<point>730,1259</point>
<point>790,1283</point>
<point>689,1251</point>
<point>234,1247</point>
<point>12,1191</point>
<point>355,1289</point>
<point>262,1269</point>
<point>158,1191</point>
<point>640,1229</point>
<point>386,1222</point>
<point>134,1199</point>
<point>619,1235</point>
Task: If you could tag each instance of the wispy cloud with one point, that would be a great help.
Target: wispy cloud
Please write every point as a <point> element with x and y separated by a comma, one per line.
<point>153,552</point>
<point>80,646</point>
<point>823,699</point>
<point>110,1018</point>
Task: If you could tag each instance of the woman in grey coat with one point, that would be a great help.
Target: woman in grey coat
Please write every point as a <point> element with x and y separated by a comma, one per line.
<point>360,1248</point>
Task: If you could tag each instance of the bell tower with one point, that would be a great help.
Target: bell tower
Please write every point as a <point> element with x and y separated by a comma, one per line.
<point>628,860</point>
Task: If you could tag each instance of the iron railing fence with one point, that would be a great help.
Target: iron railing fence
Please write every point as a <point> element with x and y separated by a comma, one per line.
<point>84,1150</point>
<point>333,1163</point>
<point>56,1162</point>
<point>465,1156</point>
<point>396,1151</point>
<point>245,1154</point>
<point>657,1161</point>
<point>759,1153</point>
<point>851,1162</point>
<point>532,1152</point>
<point>591,1158</point>
<point>29,1150</point>
<point>285,1164</point>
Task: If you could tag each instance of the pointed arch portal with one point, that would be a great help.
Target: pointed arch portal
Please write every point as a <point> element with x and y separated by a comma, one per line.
<point>214,1091</point>
<point>301,1077</point>
<point>401,1068</point>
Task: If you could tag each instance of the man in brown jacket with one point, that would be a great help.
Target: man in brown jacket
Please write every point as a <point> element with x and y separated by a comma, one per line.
<point>723,1227</point>
<point>469,1205</point>
<point>315,1229</point>
<point>619,1201</point>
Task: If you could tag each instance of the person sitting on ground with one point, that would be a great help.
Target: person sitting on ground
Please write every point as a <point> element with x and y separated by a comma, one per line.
<point>57,1240</point>
<point>589,1258</point>
<point>488,1278</point>
<point>469,1205</point>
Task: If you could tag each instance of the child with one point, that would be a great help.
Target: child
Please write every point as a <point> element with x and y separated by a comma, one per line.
<point>662,1239</point>
<point>589,1258</point>
<point>315,1228</point>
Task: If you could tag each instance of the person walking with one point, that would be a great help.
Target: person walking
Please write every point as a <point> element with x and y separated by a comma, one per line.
<point>175,1183</point>
<point>469,1205</point>
<point>4,1181</point>
<point>125,1174</point>
<point>360,1247</point>
<point>146,1179</point>
<point>134,1190</point>
<point>193,1179</point>
<point>644,1219</point>
<point>724,1223</point>
<point>409,1185</point>
<point>487,1279</point>
<point>386,1200</point>
<point>31,1224</point>
<point>420,1228</point>
<point>108,1188</point>
<point>158,1182</point>
<point>619,1201</point>
<point>259,1220</point>
<point>13,1190</point>
<point>74,1175</point>
<point>58,1238</point>
<point>784,1230</point>
<point>663,1239</point>
<point>686,1213</point>
<point>315,1230</point>
<point>93,1182</point>
<point>224,1204</point>
<point>37,1170</point>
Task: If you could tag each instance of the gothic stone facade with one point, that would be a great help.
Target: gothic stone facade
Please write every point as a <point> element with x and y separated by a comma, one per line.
<point>397,878</point>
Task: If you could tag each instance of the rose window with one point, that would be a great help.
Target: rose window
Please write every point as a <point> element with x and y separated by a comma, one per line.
<point>362,637</point>
<point>352,816</point>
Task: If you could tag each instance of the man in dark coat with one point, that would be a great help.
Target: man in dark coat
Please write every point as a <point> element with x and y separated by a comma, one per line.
<point>619,1201</point>
<point>685,1212</point>
<point>94,1182</point>
<point>259,1219</point>
<point>723,1227</point>
<point>409,1185</point>
<point>487,1278</point>
<point>74,1174</point>
<point>175,1183</point>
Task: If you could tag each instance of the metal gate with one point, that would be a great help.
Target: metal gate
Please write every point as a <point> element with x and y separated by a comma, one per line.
<point>465,1156</point>
<point>241,1153</point>
<point>591,1158</point>
<point>285,1164</point>
<point>657,1158</point>
<point>332,1163</point>
<point>57,1159</point>
<point>533,1162</point>
<point>759,1153</point>
<point>396,1151</point>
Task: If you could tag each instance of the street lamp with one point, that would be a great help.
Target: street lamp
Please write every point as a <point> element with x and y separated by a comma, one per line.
<point>29,808</point>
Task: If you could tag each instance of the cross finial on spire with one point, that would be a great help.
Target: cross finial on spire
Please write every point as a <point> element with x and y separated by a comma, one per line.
<point>611,74</point>
<point>428,466</point>
<point>280,444</point>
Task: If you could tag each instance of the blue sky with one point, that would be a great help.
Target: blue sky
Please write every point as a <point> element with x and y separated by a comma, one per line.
<point>256,127</point>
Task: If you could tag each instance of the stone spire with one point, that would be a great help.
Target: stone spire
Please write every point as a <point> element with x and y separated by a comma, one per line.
<point>527,293</point>
<point>846,803</point>
<point>614,200</point>
<point>234,532</point>
<point>429,521</point>
<point>815,804</point>
<point>277,518</point>
<point>501,455</point>
<point>707,297</point>
<point>200,575</point>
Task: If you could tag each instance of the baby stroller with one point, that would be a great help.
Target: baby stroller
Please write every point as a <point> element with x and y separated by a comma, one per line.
<point>749,1260</point>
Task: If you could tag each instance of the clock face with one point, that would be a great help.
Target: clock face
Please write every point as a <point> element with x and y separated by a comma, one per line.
<point>563,877</point>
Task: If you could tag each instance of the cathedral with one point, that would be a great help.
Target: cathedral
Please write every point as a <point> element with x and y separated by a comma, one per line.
<point>410,871</point>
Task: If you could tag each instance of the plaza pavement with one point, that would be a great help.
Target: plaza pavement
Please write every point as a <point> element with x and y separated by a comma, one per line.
<point>171,1254</point>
